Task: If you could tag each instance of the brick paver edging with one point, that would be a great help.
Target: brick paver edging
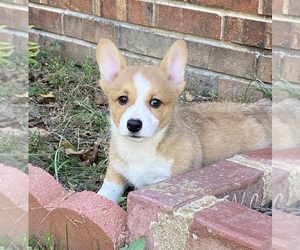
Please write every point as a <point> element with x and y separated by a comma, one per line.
<point>204,209</point>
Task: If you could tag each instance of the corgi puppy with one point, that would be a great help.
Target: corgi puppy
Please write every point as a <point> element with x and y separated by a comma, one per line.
<point>152,138</point>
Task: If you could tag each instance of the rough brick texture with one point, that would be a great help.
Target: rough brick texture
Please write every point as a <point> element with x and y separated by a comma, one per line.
<point>13,204</point>
<point>82,220</point>
<point>286,41</point>
<point>185,208</point>
<point>191,211</point>
<point>222,226</point>
<point>225,37</point>
<point>9,15</point>
<point>282,238</point>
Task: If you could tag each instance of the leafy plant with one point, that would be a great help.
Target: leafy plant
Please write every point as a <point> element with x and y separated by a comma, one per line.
<point>6,49</point>
<point>138,244</point>
<point>33,50</point>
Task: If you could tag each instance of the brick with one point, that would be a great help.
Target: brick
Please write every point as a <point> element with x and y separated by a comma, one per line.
<point>240,183</point>
<point>231,89</point>
<point>170,18</point>
<point>13,204</point>
<point>280,186</point>
<point>290,155</point>
<point>189,21</point>
<point>45,20</point>
<point>290,69</point>
<point>286,178</point>
<point>14,18</point>
<point>266,7</point>
<point>88,29</point>
<point>83,6</point>
<point>248,32</point>
<point>115,10</point>
<point>284,239</point>
<point>277,6</point>
<point>294,8</point>
<point>230,226</point>
<point>222,60</point>
<point>144,42</point>
<point>66,49</point>
<point>33,37</point>
<point>250,6</point>
<point>262,155</point>
<point>264,69</point>
<point>199,83</point>
<point>286,34</point>
<point>99,222</point>
<point>140,12</point>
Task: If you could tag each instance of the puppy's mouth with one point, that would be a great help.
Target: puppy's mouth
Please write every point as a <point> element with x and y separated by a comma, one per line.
<point>135,137</point>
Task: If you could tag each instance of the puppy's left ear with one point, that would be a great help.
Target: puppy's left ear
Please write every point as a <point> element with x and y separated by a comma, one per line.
<point>174,62</point>
<point>110,60</point>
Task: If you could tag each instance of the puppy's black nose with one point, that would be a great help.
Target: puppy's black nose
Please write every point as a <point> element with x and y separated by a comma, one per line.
<point>134,125</point>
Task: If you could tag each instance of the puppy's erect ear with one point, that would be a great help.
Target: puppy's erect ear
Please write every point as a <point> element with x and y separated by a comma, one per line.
<point>109,59</point>
<point>174,62</point>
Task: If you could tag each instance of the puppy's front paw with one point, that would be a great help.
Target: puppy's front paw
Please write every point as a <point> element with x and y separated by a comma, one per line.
<point>111,190</point>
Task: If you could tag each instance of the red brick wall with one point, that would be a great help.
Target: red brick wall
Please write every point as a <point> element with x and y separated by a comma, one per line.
<point>229,41</point>
<point>286,41</point>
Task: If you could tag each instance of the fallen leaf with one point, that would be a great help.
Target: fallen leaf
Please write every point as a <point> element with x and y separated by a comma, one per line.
<point>36,123</point>
<point>49,95</point>
<point>90,160</point>
<point>100,99</point>
<point>46,98</point>
<point>66,144</point>
<point>70,151</point>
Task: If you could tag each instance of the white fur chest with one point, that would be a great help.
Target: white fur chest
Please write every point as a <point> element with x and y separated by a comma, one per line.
<point>143,165</point>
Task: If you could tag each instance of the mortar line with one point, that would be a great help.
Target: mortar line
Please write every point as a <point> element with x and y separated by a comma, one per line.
<point>220,12</point>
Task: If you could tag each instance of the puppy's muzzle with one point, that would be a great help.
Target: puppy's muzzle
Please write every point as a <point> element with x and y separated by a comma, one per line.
<point>134,125</point>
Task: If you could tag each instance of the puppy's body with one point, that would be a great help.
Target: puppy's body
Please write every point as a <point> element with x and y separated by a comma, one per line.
<point>152,138</point>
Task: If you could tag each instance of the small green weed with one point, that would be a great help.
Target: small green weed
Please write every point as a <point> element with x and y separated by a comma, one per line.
<point>6,49</point>
<point>138,244</point>
<point>33,50</point>
<point>254,89</point>
<point>283,86</point>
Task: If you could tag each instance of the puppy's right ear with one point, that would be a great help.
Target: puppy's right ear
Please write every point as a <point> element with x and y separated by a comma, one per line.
<point>110,60</point>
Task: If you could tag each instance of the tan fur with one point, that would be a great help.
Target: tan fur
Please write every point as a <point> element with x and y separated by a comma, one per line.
<point>190,136</point>
<point>209,132</point>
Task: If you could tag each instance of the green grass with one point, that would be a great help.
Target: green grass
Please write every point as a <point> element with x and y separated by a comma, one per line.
<point>75,122</point>
<point>255,87</point>
<point>286,89</point>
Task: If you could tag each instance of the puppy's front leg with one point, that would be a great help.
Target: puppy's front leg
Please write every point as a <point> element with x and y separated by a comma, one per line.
<point>113,186</point>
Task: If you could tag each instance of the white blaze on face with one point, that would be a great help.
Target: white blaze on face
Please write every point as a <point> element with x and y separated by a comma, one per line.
<point>140,111</point>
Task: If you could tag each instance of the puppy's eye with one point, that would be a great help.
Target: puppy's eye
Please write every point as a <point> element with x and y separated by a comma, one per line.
<point>155,103</point>
<point>123,99</point>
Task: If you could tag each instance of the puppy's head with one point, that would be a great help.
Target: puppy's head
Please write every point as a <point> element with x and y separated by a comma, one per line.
<point>141,98</point>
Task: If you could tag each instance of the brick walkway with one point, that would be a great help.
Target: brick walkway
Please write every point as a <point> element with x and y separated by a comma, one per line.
<point>208,208</point>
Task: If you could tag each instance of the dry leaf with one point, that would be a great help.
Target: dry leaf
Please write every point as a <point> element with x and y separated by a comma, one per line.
<point>49,95</point>
<point>70,151</point>
<point>46,98</point>
<point>100,99</point>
